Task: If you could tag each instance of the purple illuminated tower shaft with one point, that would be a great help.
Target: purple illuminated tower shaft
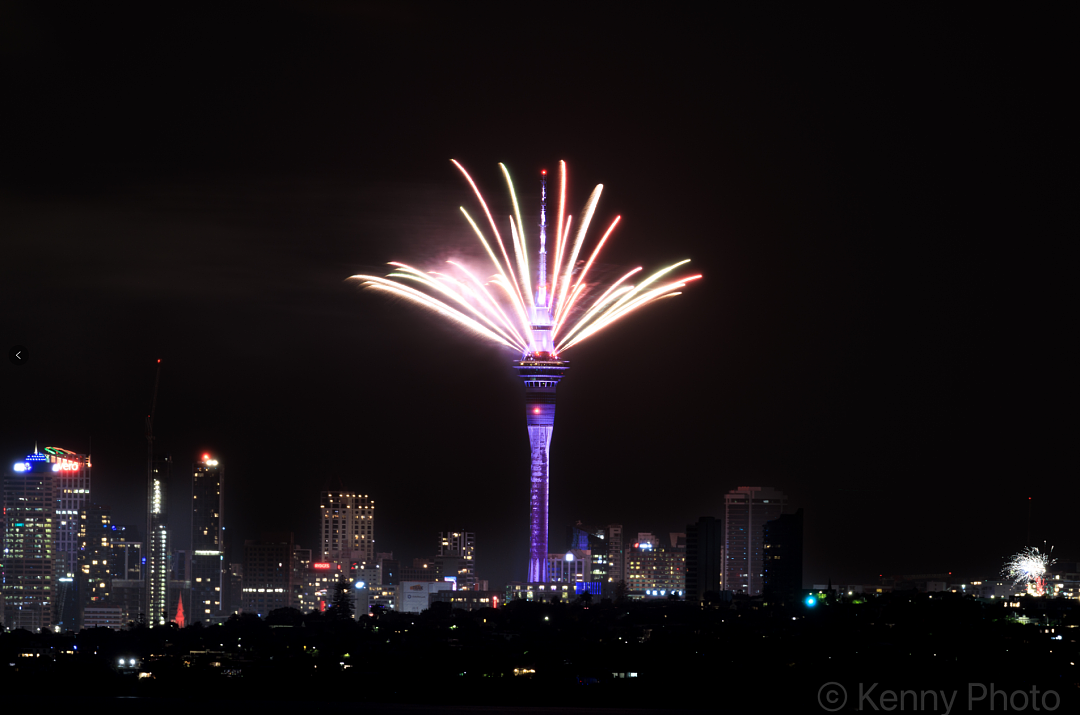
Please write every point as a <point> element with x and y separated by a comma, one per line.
<point>541,373</point>
<point>541,369</point>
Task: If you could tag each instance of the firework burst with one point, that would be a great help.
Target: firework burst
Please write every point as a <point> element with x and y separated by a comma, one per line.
<point>505,306</point>
<point>1029,567</point>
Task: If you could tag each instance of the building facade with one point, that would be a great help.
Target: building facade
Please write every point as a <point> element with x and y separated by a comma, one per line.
<point>654,568</point>
<point>783,558</point>
<point>746,510</point>
<point>72,490</point>
<point>157,554</point>
<point>271,576</point>
<point>704,558</point>
<point>207,542</point>
<point>30,559</point>
<point>94,576</point>
<point>348,527</point>
<point>456,556</point>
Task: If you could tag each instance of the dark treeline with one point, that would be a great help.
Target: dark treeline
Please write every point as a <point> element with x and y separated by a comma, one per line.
<point>729,656</point>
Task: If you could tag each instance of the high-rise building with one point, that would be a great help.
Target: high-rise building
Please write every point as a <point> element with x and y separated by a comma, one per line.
<point>71,474</point>
<point>704,558</point>
<point>746,510</point>
<point>270,574</point>
<point>541,369</point>
<point>30,559</point>
<point>72,496</point>
<point>348,527</point>
<point>604,545</point>
<point>783,558</point>
<point>456,556</point>
<point>157,554</point>
<point>207,542</point>
<point>657,569</point>
<point>95,573</point>
<point>616,556</point>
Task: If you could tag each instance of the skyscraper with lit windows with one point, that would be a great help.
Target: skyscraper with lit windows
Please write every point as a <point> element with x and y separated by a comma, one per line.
<point>746,510</point>
<point>157,553</point>
<point>29,556</point>
<point>72,472</point>
<point>94,577</point>
<point>348,527</point>
<point>456,556</point>
<point>207,541</point>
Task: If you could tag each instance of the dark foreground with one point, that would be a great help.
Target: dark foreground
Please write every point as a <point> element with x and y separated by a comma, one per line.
<point>901,652</point>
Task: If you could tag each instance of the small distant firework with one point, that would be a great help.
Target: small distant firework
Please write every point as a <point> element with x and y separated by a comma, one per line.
<point>507,306</point>
<point>1029,567</point>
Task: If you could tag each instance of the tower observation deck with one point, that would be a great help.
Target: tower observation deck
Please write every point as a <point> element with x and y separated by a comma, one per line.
<point>540,369</point>
<point>541,373</point>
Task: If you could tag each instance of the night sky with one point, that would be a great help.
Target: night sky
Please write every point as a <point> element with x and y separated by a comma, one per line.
<point>880,332</point>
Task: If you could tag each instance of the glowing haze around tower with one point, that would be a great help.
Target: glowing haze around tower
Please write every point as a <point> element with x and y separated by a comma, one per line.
<point>538,324</point>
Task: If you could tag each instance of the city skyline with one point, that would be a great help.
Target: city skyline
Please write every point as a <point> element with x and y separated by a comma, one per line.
<point>859,340</point>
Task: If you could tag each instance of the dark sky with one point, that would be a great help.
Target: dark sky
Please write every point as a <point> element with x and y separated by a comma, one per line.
<point>879,333</point>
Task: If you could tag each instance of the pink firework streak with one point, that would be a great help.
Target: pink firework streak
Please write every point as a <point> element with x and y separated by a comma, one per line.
<point>498,307</point>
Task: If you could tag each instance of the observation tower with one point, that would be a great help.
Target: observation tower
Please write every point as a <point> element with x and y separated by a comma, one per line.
<point>540,369</point>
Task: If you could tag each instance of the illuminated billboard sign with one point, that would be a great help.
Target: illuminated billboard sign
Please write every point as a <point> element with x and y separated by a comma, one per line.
<point>321,566</point>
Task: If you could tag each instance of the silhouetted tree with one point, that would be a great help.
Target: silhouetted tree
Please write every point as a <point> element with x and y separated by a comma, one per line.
<point>341,608</point>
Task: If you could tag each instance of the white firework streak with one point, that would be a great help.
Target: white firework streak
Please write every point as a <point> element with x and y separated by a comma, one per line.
<point>472,305</point>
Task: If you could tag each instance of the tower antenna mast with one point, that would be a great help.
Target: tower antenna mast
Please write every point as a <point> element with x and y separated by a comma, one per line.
<point>541,369</point>
<point>541,285</point>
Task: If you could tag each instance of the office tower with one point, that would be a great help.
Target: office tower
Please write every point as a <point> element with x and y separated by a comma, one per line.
<point>72,496</point>
<point>616,556</point>
<point>29,558</point>
<point>157,554</point>
<point>270,576</point>
<point>207,541</point>
<point>541,370</point>
<point>348,527</point>
<point>704,558</point>
<point>783,558</point>
<point>95,574</point>
<point>456,556</point>
<point>746,510</point>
